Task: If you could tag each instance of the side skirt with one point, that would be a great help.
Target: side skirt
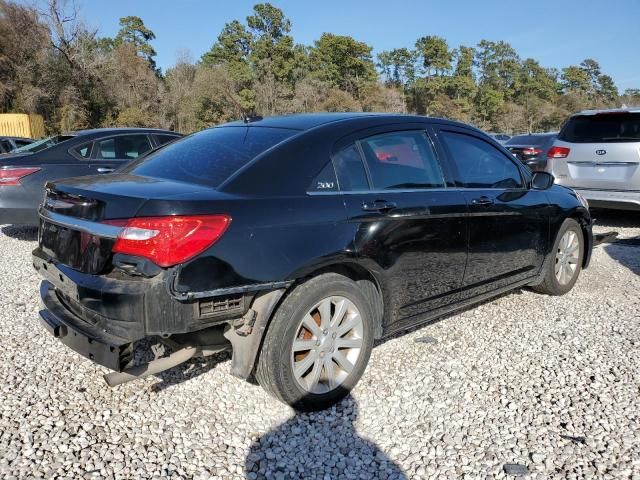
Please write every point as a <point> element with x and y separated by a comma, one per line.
<point>421,319</point>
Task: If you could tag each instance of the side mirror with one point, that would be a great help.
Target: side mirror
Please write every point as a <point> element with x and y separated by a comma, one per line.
<point>542,180</point>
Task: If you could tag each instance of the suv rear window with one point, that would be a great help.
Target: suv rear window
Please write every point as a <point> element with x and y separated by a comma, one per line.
<point>211,156</point>
<point>603,127</point>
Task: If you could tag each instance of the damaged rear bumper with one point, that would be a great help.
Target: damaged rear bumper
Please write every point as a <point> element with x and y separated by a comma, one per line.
<point>88,340</point>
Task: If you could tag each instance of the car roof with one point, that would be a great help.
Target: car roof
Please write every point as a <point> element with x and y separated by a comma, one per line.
<point>306,121</point>
<point>608,110</point>
<point>92,131</point>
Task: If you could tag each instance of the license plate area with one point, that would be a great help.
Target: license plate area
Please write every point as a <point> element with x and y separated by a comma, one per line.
<point>79,250</point>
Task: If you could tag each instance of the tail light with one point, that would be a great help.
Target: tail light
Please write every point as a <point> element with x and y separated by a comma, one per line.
<point>11,176</point>
<point>558,152</point>
<point>531,151</point>
<point>171,240</point>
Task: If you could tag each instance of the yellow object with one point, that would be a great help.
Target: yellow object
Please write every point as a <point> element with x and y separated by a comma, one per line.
<point>29,125</point>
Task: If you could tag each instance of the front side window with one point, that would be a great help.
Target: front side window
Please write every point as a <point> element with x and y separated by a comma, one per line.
<point>402,160</point>
<point>122,147</point>
<point>480,164</point>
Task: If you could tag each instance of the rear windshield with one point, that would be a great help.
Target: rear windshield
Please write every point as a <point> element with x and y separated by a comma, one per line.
<point>42,144</point>
<point>533,140</point>
<point>209,157</point>
<point>605,127</point>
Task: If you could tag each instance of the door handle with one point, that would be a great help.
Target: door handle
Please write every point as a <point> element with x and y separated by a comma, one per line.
<point>482,201</point>
<point>378,206</point>
<point>105,170</point>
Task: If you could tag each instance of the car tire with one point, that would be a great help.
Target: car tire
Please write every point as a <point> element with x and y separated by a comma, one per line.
<point>567,252</point>
<point>329,355</point>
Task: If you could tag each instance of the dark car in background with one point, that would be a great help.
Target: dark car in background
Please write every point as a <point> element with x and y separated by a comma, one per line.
<point>24,172</point>
<point>9,144</point>
<point>531,149</point>
<point>296,241</point>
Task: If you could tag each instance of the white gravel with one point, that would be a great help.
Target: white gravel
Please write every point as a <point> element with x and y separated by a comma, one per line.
<point>526,384</point>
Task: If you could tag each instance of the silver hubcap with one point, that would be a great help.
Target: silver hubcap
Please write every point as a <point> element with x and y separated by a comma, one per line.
<point>327,345</point>
<point>567,257</point>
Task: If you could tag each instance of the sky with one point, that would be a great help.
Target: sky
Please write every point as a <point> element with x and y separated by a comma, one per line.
<point>556,33</point>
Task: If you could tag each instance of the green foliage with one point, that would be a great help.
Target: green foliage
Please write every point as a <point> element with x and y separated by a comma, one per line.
<point>53,65</point>
<point>134,32</point>
<point>342,61</point>
<point>435,55</point>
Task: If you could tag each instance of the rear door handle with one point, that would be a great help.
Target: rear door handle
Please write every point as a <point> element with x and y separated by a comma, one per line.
<point>105,170</point>
<point>482,201</point>
<point>378,206</point>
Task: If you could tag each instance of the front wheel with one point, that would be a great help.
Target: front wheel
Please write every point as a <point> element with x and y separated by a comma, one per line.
<point>318,343</point>
<point>564,263</point>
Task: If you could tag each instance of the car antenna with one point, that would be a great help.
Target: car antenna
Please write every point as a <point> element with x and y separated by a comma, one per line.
<point>252,118</point>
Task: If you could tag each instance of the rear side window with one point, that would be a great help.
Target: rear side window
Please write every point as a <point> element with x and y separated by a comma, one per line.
<point>162,139</point>
<point>350,170</point>
<point>480,164</point>
<point>402,160</point>
<point>82,151</point>
<point>605,127</point>
<point>122,147</point>
<point>209,157</point>
<point>22,143</point>
<point>325,181</point>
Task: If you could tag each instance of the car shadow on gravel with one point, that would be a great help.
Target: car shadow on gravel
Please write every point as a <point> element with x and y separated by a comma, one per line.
<point>626,252</point>
<point>616,218</point>
<point>20,232</point>
<point>319,445</point>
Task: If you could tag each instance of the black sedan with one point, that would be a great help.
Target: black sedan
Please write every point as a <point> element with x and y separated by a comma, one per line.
<point>532,149</point>
<point>24,172</point>
<point>296,241</point>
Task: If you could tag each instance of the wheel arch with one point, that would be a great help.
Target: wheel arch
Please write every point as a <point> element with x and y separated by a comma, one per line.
<point>246,348</point>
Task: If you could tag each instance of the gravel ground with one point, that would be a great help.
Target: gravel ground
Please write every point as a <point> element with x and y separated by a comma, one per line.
<point>524,384</point>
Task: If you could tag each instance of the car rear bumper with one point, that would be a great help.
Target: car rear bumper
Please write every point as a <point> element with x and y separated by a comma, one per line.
<point>622,200</point>
<point>87,339</point>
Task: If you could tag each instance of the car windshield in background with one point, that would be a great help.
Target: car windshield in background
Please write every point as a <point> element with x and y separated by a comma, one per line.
<point>533,140</point>
<point>604,127</point>
<point>211,156</point>
<point>42,144</point>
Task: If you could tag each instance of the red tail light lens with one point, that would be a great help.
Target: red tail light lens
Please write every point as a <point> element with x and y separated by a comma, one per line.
<point>558,152</point>
<point>168,241</point>
<point>11,176</point>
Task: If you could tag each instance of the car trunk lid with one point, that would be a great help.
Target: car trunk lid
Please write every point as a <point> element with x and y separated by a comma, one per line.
<point>73,228</point>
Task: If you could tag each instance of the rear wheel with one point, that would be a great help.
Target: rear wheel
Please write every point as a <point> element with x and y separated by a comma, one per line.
<point>564,263</point>
<point>318,343</point>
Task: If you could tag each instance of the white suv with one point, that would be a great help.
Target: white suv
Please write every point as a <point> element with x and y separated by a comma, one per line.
<point>597,153</point>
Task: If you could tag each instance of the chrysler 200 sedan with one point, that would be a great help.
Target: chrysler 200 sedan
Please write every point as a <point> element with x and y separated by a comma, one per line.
<point>296,242</point>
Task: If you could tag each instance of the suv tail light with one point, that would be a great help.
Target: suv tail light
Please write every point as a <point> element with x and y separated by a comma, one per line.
<point>11,176</point>
<point>171,240</point>
<point>558,152</point>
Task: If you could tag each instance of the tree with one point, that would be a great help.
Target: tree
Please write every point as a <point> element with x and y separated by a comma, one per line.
<point>435,54</point>
<point>134,32</point>
<point>398,66</point>
<point>498,64</point>
<point>342,61</point>
<point>576,79</point>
